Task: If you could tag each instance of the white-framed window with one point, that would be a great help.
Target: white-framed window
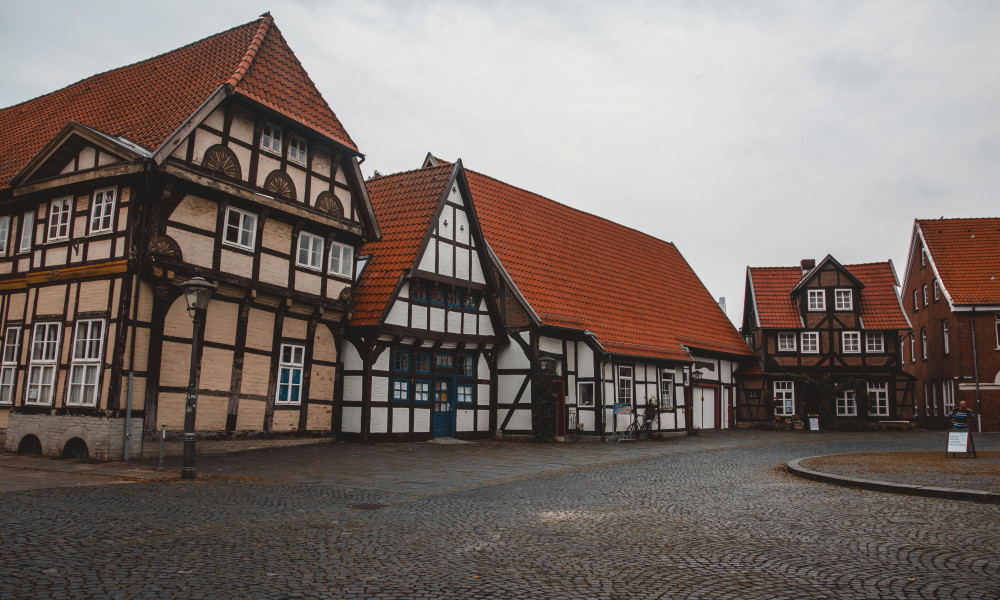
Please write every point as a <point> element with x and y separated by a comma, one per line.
<point>44,363</point>
<point>784,398</point>
<point>878,397</point>
<point>926,299</point>
<point>850,342</point>
<point>290,365</point>
<point>944,337</point>
<point>241,229</point>
<point>4,234</point>
<point>923,343</point>
<point>948,395</point>
<point>934,402</point>
<point>60,212</point>
<point>913,351</point>
<point>270,139</point>
<point>421,391</point>
<point>810,342</point>
<point>463,392</point>
<point>916,300</point>
<point>8,367</point>
<point>297,150</point>
<point>102,210</point>
<point>923,257</point>
<point>844,299</point>
<point>874,343</point>
<point>466,365</point>
<point>667,389</point>
<point>847,405</point>
<point>817,300</point>
<point>341,259</point>
<point>586,393</point>
<point>310,254</point>
<point>927,399</point>
<point>624,384</point>
<point>937,290</point>
<point>85,373</point>
<point>400,390</point>
<point>27,232</point>
<point>786,342</point>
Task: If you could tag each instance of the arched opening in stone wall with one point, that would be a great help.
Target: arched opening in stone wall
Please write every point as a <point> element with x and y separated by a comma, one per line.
<point>30,444</point>
<point>76,448</point>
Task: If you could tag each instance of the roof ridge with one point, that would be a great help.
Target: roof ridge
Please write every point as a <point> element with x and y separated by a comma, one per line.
<point>119,68</point>
<point>573,208</point>
<point>409,172</point>
<point>266,20</point>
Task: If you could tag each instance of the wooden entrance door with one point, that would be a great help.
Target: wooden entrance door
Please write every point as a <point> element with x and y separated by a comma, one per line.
<point>444,407</point>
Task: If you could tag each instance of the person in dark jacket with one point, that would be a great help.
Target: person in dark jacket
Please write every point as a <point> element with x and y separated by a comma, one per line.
<point>961,416</point>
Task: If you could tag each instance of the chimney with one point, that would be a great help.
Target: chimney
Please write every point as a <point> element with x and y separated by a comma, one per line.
<point>808,264</point>
<point>722,303</point>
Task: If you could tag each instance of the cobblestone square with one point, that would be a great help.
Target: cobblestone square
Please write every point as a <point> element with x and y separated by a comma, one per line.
<point>714,516</point>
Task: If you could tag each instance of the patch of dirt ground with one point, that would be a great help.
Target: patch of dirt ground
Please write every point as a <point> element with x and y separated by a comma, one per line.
<point>918,468</point>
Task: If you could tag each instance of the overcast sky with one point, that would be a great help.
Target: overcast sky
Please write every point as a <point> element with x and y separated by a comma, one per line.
<point>747,133</point>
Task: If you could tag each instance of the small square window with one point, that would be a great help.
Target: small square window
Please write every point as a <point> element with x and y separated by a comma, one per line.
<point>850,342</point>
<point>400,390</point>
<point>786,342</point>
<point>467,366</point>
<point>60,212</point>
<point>400,360</point>
<point>270,139</point>
<point>102,211</point>
<point>464,392</point>
<point>471,300</point>
<point>810,342</point>
<point>421,391</point>
<point>437,294</point>
<point>297,150</point>
<point>418,290</point>
<point>586,394</point>
<point>422,362</point>
<point>241,229</point>
<point>341,259</point>
<point>847,405</point>
<point>310,252</point>
<point>844,299</point>
<point>874,343</point>
<point>817,300</point>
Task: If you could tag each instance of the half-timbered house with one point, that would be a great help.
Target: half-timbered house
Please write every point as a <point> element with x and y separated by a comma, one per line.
<point>419,358</point>
<point>952,294</point>
<point>822,329</point>
<point>547,305</point>
<point>221,160</point>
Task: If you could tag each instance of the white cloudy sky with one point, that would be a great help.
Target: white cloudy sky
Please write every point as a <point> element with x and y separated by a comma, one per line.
<point>750,132</point>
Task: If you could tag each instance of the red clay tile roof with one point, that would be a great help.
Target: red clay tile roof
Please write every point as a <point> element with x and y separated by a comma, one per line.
<point>404,205</point>
<point>880,307</point>
<point>636,293</point>
<point>146,101</point>
<point>966,255</point>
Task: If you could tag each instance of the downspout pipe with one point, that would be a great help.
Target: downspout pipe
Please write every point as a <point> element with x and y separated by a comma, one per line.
<point>126,454</point>
<point>975,368</point>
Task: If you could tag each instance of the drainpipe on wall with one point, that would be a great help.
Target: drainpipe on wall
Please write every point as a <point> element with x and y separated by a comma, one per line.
<point>975,369</point>
<point>126,454</point>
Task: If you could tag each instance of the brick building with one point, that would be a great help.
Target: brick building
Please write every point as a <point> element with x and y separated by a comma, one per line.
<point>952,295</point>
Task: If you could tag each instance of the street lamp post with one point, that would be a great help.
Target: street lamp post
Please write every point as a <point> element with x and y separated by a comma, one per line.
<point>197,293</point>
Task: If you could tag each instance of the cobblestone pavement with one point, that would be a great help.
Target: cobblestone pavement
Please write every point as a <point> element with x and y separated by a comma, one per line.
<point>916,468</point>
<point>713,517</point>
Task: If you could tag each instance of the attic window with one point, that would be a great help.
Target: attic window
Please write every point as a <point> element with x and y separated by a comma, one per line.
<point>817,300</point>
<point>270,139</point>
<point>844,300</point>
<point>297,150</point>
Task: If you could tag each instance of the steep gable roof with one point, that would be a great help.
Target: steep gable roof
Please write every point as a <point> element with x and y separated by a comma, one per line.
<point>771,294</point>
<point>636,293</point>
<point>966,256</point>
<point>404,204</point>
<point>146,102</point>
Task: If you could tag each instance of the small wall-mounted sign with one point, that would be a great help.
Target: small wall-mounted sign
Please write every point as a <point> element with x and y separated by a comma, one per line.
<point>623,409</point>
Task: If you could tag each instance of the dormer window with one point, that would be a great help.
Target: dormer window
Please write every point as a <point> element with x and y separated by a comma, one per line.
<point>817,300</point>
<point>786,342</point>
<point>297,150</point>
<point>844,300</point>
<point>270,139</point>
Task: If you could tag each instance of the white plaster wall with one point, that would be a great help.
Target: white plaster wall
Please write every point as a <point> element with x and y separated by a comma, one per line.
<point>101,249</point>
<point>512,357</point>
<point>462,227</point>
<point>462,258</point>
<point>382,362</point>
<point>483,395</point>
<point>379,419</point>
<point>352,417</point>
<point>587,419</point>
<point>469,323</point>
<point>437,319</point>
<point>397,314</point>
<point>196,249</point>
<point>485,325</point>
<point>400,420</point>
<point>446,264</point>
<point>241,126</point>
<point>520,421</point>
<point>446,231</point>
<point>454,322</point>
<point>421,420</point>
<point>420,317</point>
<point>307,282</point>
<point>464,420</point>
<point>427,260</point>
<point>236,263</point>
<point>477,271</point>
<point>380,388</point>
<point>550,345</point>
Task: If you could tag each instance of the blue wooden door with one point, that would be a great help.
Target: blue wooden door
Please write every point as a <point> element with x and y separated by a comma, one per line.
<point>444,407</point>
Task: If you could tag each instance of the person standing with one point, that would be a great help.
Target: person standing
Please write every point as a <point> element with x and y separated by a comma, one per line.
<point>961,416</point>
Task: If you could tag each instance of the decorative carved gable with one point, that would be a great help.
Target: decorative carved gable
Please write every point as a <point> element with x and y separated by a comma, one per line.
<point>328,203</point>
<point>222,161</point>
<point>279,184</point>
<point>77,148</point>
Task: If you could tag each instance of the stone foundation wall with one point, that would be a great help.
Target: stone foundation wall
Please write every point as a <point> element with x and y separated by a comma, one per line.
<point>104,436</point>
